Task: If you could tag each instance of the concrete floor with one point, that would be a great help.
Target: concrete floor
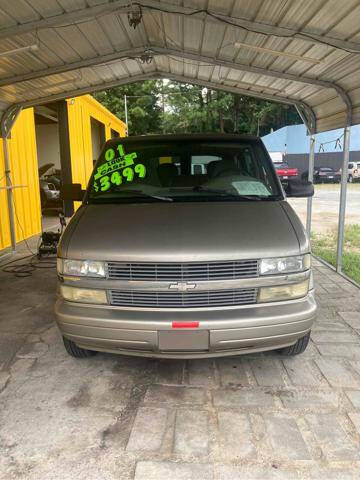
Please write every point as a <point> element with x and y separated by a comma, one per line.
<point>258,417</point>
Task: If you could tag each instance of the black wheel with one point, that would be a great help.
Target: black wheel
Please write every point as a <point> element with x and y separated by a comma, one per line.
<point>76,351</point>
<point>298,347</point>
<point>350,179</point>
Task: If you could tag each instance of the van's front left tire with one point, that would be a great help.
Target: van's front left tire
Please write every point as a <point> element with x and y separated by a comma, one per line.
<point>297,348</point>
<point>76,351</point>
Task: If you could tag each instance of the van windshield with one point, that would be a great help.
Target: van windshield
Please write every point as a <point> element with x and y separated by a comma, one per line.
<point>182,171</point>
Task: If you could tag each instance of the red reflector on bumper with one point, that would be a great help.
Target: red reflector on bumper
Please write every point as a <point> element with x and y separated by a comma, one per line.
<point>185,324</point>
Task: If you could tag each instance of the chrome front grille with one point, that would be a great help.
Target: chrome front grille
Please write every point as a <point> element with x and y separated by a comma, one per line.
<point>194,271</point>
<point>204,298</point>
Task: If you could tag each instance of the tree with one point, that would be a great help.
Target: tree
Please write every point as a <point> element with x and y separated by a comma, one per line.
<point>144,110</point>
<point>156,106</point>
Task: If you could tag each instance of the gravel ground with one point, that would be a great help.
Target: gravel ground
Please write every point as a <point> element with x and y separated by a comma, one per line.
<point>326,206</point>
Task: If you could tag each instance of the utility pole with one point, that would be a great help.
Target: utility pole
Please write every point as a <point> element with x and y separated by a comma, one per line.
<point>126,114</point>
<point>163,109</point>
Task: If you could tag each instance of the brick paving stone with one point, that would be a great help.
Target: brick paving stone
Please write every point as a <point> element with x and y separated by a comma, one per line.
<point>355,365</point>
<point>148,470</point>
<point>318,287</point>
<point>333,325</point>
<point>332,288</point>
<point>337,337</point>
<point>148,429</point>
<point>337,374</point>
<point>301,372</point>
<point>201,372</point>
<point>349,288</point>
<point>170,372</point>
<point>232,372</point>
<point>351,318</point>
<point>285,438</point>
<point>332,438</point>
<point>310,399</point>
<point>231,472</point>
<point>191,433</point>
<point>235,436</point>
<point>175,395</point>
<point>334,475</point>
<point>346,350</point>
<point>268,372</point>
<point>354,397</point>
<point>355,418</point>
<point>4,378</point>
<point>243,398</point>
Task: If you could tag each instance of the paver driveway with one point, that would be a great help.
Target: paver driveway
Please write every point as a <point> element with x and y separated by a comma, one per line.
<point>109,417</point>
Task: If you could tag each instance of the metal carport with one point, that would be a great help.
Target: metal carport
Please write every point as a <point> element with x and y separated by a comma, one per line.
<point>304,53</point>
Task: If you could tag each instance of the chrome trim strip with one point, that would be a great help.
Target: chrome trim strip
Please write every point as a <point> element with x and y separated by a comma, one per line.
<point>255,282</point>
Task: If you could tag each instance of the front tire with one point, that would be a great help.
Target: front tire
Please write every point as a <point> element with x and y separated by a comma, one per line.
<point>76,351</point>
<point>297,348</point>
<point>350,179</point>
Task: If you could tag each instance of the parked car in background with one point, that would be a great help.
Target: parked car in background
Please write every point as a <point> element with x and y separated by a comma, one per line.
<point>324,175</point>
<point>354,172</point>
<point>49,195</point>
<point>285,172</point>
<point>49,187</point>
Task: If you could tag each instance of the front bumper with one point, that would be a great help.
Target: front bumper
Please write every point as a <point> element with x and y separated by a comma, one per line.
<point>225,331</point>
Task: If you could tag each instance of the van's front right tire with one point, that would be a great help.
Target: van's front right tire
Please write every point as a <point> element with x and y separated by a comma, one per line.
<point>76,351</point>
<point>297,348</point>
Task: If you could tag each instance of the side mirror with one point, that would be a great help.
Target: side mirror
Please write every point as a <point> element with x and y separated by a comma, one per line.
<point>72,191</point>
<point>298,188</point>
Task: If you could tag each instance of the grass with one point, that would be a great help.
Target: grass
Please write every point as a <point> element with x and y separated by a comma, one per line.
<point>324,246</point>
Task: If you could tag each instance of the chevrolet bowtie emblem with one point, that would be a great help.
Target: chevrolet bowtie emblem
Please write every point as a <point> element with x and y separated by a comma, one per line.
<point>182,286</point>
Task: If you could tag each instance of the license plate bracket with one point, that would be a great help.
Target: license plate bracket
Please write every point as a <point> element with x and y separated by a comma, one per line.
<point>183,340</point>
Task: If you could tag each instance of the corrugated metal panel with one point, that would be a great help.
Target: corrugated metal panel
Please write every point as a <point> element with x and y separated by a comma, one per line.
<point>80,111</point>
<point>24,168</point>
<point>24,174</point>
<point>107,33</point>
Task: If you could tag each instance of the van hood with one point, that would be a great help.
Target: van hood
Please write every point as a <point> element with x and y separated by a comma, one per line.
<point>183,232</point>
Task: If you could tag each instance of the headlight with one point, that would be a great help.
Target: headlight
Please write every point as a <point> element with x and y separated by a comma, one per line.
<point>283,292</point>
<point>83,295</point>
<point>80,268</point>
<point>273,266</point>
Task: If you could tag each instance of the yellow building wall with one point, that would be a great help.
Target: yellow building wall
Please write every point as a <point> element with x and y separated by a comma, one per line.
<point>24,175</point>
<point>24,166</point>
<point>4,213</point>
<point>80,111</point>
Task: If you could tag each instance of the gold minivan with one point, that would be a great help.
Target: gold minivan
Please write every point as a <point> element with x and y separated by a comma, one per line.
<point>163,259</point>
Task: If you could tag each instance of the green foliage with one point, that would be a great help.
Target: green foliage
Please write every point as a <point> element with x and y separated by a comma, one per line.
<point>156,106</point>
<point>144,110</point>
<point>324,246</point>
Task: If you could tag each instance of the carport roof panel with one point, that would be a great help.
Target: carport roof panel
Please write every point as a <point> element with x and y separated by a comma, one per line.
<point>84,46</point>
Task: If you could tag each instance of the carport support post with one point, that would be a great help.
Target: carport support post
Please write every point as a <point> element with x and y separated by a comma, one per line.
<point>65,154</point>
<point>342,208</point>
<point>310,178</point>
<point>10,195</point>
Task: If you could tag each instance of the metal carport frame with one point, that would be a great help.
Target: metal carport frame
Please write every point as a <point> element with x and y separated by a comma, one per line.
<point>194,44</point>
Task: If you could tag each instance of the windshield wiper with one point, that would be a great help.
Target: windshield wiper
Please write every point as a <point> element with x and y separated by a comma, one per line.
<point>139,193</point>
<point>226,193</point>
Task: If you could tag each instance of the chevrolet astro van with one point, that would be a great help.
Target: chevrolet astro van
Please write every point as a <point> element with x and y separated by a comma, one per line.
<point>166,260</point>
